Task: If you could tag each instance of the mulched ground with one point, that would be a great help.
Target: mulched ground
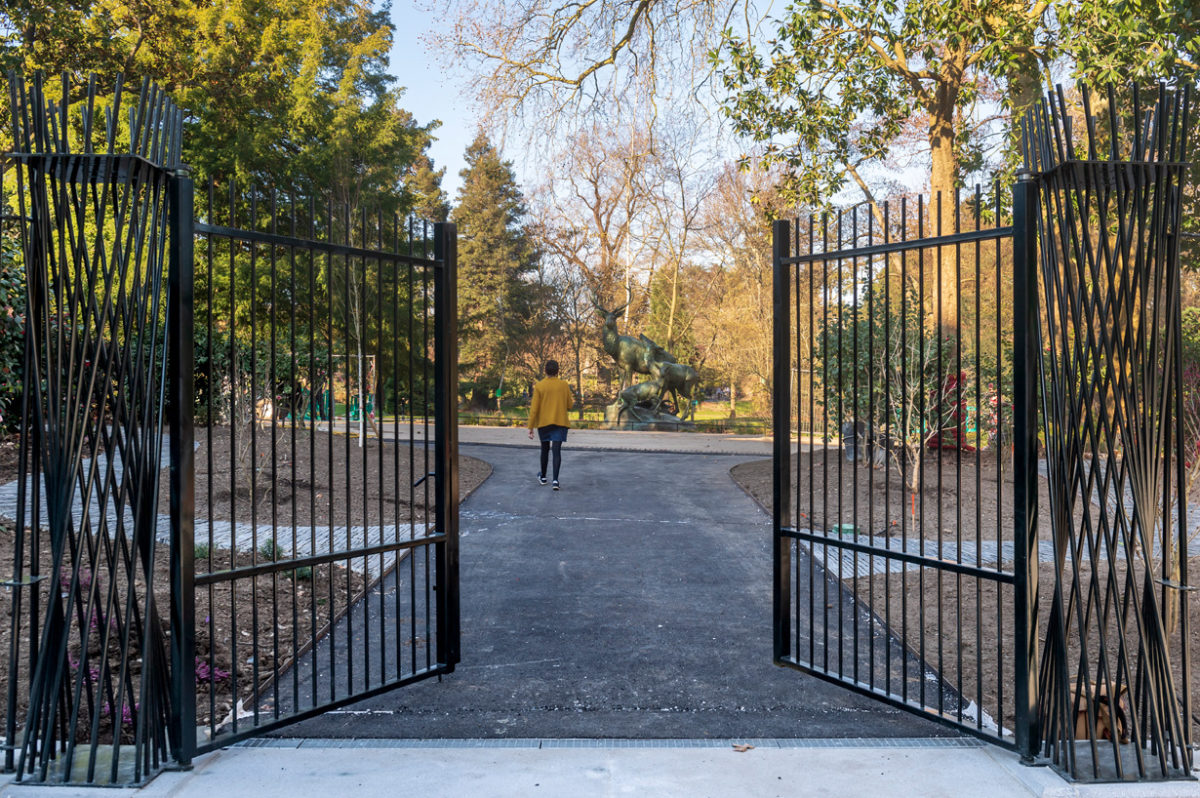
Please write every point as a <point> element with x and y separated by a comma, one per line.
<point>9,452</point>
<point>304,476</point>
<point>955,486</point>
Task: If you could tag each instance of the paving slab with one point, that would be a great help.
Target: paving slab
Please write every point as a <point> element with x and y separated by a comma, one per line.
<point>522,768</point>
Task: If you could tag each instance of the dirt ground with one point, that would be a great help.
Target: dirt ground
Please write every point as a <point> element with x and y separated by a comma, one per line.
<point>289,610</point>
<point>8,457</point>
<point>961,491</point>
<point>308,476</point>
<point>981,666</point>
<point>939,614</point>
<point>219,613</point>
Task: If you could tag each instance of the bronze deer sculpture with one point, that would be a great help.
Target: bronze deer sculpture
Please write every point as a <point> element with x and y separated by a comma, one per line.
<point>630,354</point>
<point>631,397</point>
<point>679,379</point>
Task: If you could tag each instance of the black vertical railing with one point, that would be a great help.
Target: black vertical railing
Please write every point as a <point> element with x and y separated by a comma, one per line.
<point>1046,394</point>
<point>293,362</point>
<point>89,675</point>
<point>782,440</point>
<point>1113,676</point>
<point>446,453</point>
<point>326,463</point>
<point>180,368</point>
<point>1025,464</point>
<point>894,560</point>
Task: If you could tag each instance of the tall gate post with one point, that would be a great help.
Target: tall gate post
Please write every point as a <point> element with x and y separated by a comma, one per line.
<point>180,366</point>
<point>1025,463</point>
<point>782,438</point>
<point>446,448</point>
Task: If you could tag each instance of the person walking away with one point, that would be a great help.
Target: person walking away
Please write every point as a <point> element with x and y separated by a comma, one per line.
<point>548,415</point>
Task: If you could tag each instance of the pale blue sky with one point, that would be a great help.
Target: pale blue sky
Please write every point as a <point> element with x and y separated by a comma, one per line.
<point>429,94</point>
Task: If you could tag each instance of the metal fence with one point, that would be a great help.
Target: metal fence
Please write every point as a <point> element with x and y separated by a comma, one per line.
<point>294,365</point>
<point>323,547</point>
<point>88,679</point>
<point>992,417</point>
<point>896,552</point>
<point>1115,673</point>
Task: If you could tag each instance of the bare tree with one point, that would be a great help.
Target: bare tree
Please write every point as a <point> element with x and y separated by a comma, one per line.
<point>592,198</point>
<point>735,322</point>
<point>576,318</point>
<point>556,64</point>
<point>677,183</point>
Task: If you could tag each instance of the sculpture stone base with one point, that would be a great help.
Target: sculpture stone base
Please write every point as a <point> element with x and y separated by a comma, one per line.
<point>643,419</point>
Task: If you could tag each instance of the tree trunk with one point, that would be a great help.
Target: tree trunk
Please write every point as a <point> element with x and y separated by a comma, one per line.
<point>943,184</point>
<point>674,305</point>
<point>362,408</point>
<point>732,399</point>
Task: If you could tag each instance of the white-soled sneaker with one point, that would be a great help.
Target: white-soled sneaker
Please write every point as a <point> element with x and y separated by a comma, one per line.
<point>541,480</point>
<point>556,484</point>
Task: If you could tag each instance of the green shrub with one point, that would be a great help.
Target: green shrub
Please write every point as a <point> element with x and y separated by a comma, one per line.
<point>270,550</point>
<point>12,328</point>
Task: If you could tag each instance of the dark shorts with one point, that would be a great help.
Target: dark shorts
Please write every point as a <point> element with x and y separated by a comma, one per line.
<point>552,432</point>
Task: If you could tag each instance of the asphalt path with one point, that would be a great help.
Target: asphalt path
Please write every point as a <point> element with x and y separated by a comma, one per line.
<point>633,603</point>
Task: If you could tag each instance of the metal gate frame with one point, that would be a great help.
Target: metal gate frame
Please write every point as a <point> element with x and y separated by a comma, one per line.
<point>111,375</point>
<point>827,660</point>
<point>442,540</point>
<point>1066,356</point>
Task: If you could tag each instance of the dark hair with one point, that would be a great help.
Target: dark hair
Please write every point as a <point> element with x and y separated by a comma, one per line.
<point>551,368</point>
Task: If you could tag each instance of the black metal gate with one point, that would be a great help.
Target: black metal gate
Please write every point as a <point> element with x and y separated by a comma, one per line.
<point>915,345</point>
<point>298,361</point>
<point>325,548</point>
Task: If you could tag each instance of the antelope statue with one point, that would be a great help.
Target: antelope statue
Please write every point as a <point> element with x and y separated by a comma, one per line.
<point>631,397</point>
<point>631,355</point>
<point>679,379</point>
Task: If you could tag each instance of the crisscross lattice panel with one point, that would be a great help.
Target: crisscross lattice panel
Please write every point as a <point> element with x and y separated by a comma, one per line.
<point>88,682</point>
<point>1114,693</point>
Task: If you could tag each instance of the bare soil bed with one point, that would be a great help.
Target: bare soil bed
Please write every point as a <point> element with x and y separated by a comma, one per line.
<point>960,490</point>
<point>288,613</point>
<point>981,666</point>
<point>9,450</point>
<point>274,616</point>
<point>305,476</point>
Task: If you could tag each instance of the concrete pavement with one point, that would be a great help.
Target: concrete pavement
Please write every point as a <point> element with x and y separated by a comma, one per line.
<point>518,769</point>
<point>617,440</point>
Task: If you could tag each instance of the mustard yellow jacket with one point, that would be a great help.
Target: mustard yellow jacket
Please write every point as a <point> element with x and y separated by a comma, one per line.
<point>551,400</point>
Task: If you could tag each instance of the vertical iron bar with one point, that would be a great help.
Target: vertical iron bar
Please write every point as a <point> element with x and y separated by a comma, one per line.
<point>840,423</point>
<point>1025,434</point>
<point>181,362</point>
<point>781,437</point>
<point>272,396</point>
<point>446,449</point>
<point>798,404</point>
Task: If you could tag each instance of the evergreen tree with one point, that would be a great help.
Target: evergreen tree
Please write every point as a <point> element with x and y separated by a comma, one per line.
<point>425,185</point>
<point>290,94</point>
<point>495,255</point>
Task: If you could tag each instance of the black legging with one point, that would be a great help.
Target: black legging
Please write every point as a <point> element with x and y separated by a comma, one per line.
<point>557,456</point>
